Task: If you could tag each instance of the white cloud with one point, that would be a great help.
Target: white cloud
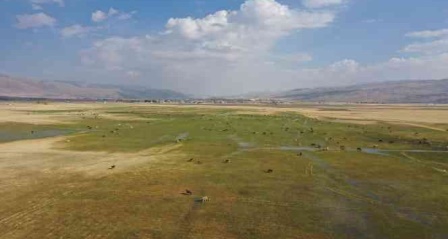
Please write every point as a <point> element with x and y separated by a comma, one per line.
<point>230,52</point>
<point>34,20</point>
<point>116,53</point>
<point>429,34</point>
<point>348,72</point>
<point>433,47</point>
<point>219,52</point>
<point>255,27</point>
<point>75,31</point>
<point>126,15</point>
<point>322,3</point>
<point>346,65</point>
<point>401,68</point>
<point>36,7</point>
<point>252,29</point>
<point>436,42</point>
<point>99,16</point>
<point>112,12</point>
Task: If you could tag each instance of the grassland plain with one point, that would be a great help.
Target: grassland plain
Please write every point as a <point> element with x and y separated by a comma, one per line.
<point>330,178</point>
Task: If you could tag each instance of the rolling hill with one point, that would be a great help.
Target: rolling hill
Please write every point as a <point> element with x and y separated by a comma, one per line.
<point>418,91</point>
<point>27,88</point>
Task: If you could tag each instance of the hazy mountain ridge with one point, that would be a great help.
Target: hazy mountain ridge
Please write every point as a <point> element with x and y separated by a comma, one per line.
<point>23,87</point>
<point>417,91</point>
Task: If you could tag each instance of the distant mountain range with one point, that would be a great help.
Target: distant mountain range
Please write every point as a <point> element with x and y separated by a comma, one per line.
<point>418,91</point>
<point>26,88</point>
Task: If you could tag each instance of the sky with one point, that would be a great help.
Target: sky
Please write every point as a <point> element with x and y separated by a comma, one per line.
<point>225,47</point>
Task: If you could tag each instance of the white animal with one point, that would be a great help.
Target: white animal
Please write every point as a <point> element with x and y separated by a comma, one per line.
<point>205,199</point>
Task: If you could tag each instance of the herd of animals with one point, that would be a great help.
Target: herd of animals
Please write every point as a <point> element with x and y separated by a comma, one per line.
<point>309,169</point>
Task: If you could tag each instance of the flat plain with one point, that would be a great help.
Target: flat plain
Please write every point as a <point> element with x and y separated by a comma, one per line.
<point>116,170</point>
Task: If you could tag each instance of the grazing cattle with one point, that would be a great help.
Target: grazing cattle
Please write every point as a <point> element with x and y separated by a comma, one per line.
<point>227,161</point>
<point>300,154</point>
<point>205,199</point>
<point>112,167</point>
<point>269,171</point>
<point>342,147</point>
<point>190,160</point>
<point>425,141</point>
<point>188,192</point>
<point>359,149</point>
<point>380,140</point>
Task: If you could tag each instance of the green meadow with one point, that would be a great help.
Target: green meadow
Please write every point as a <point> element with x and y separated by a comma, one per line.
<point>279,175</point>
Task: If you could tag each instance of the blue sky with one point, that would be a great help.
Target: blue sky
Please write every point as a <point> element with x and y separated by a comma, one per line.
<point>242,46</point>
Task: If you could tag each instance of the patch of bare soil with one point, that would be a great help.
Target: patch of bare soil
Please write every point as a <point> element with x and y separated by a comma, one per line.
<point>21,161</point>
<point>59,113</point>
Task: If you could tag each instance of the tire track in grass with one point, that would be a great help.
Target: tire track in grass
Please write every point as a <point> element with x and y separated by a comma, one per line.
<point>356,193</point>
<point>354,223</point>
<point>24,218</point>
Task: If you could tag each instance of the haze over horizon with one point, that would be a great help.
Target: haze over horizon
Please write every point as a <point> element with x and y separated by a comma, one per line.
<point>225,47</point>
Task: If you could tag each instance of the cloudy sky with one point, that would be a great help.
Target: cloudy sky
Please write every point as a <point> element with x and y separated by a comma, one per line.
<point>225,47</point>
